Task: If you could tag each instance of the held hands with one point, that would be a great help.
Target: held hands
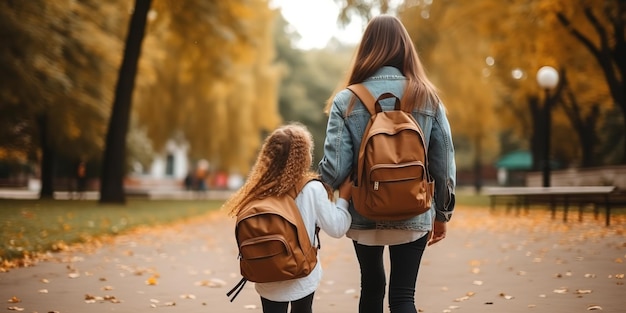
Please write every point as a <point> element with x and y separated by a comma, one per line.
<point>438,233</point>
<point>345,189</point>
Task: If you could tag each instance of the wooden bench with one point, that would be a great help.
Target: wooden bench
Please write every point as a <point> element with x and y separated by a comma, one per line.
<point>565,195</point>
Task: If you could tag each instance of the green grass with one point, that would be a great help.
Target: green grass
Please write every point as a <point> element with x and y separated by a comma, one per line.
<point>33,226</point>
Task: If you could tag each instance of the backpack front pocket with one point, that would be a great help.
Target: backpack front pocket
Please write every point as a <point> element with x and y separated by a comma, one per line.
<point>264,247</point>
<point>397,190</point>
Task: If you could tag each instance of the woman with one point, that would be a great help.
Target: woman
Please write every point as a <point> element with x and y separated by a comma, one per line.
<point>284,161</point>
<point>386,61</point>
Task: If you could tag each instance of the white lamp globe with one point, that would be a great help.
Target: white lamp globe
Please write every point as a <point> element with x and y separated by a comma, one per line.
<point>547,77</point>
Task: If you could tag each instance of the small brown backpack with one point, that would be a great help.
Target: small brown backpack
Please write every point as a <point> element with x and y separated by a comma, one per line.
<point>392,181</point>
<point>273,241</point>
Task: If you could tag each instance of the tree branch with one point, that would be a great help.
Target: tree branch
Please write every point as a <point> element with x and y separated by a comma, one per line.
<point>578,35</point>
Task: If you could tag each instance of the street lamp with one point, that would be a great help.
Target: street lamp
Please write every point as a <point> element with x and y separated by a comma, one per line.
<point>547,78</point>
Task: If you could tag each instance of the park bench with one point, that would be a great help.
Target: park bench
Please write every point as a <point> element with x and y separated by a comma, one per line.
<point>558,195</point>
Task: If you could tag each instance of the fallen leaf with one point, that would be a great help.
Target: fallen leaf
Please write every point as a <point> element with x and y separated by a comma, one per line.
<point>14,299</point>
<point>152,281</point>
<point>594,308</point>
<point>73,275</point>
<point>561,291</point>
<point>15,308</point>
<point>582,291</point>
<point>213,283</point>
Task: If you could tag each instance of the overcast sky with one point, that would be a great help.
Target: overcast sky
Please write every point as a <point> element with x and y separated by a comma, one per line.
<point>316,21</point>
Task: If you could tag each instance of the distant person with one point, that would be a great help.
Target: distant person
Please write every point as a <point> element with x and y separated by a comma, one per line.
<point>201,179</point>
<point>284,161</point>
<point>188,181</point>
<point>386,61</point>
<point>81,179</point>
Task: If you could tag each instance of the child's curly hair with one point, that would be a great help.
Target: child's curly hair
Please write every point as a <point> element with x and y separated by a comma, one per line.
<point>284,161</point>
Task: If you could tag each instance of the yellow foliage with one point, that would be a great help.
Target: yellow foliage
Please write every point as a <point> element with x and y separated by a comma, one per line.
<point>214,78</point>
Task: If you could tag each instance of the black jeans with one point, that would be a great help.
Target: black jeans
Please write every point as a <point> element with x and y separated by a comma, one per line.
<point>405,262</point>
<point>304,305</point>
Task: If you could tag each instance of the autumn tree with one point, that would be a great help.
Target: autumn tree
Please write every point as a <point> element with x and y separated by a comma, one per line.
<point>210,75</point>
<point>605,40</point>
<point>308,79</point>
<point>55,103</point>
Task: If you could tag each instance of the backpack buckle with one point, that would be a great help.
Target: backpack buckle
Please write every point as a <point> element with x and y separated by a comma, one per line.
<point>375,185</point>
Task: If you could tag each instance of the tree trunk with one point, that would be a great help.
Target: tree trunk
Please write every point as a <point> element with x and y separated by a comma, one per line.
<point>47,159</point>
<point>113,168</point>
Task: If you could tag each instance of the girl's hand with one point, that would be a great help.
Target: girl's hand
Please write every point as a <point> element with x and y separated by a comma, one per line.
<point>345,189</point>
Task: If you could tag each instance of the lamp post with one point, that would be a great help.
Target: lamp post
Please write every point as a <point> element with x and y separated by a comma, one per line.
<point>547,78</point>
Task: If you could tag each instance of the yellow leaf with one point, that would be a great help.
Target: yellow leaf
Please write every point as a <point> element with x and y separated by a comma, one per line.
<point>14,299</point>
<point>152,281</point>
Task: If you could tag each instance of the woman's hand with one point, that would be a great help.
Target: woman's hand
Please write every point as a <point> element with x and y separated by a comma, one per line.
<point>438,233</point>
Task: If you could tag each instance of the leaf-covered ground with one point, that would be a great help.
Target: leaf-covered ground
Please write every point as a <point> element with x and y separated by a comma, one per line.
<point>30,228</point>
<point>490,262</point>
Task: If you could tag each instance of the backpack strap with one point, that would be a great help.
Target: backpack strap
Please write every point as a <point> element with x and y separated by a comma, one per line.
<point>237,289</point>
<point>372,104</point>
<point>366,97</point>
<point>294,193</point>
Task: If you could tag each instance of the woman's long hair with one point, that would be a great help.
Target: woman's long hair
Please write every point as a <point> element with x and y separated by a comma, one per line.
<point>386,42</point>
<point>283,162</point>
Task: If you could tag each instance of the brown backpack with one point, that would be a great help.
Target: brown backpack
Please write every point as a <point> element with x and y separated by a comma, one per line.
<point>273,241</point>
<point>392,181</point>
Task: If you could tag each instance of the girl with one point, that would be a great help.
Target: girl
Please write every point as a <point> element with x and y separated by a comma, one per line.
<point>285,159</point>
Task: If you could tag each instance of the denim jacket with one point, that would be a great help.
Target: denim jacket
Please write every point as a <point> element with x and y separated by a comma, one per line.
<point>343,139</point>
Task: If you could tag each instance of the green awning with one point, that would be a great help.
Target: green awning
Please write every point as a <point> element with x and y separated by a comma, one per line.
<point>518,160</point>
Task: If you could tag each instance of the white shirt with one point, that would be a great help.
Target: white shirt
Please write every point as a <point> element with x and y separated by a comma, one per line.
<point>384,237</point>
<point>333,218</point>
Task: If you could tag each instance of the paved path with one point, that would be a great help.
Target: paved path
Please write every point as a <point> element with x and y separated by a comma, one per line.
<point>488,263</point>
